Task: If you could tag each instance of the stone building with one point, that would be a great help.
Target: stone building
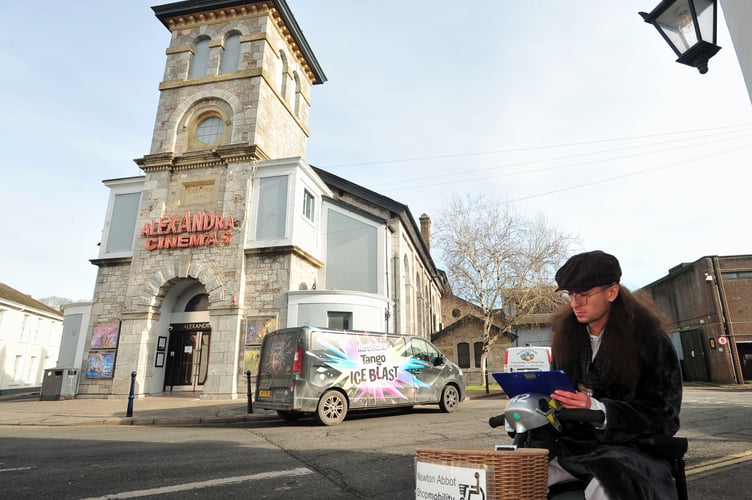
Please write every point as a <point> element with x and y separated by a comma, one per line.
<point>709,303</point>
<point>230,233</point>
<point>462,337</point>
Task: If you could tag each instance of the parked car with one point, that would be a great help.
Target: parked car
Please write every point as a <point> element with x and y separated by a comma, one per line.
<point>326,372</point>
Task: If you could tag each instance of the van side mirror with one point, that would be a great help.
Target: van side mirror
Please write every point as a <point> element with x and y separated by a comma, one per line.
<point>438,360</point>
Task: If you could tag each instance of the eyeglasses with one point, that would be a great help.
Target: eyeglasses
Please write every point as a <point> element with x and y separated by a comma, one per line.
<point>580,299</point>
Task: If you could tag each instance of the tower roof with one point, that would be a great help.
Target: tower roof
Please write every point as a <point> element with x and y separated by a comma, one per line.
<point>177,9</point>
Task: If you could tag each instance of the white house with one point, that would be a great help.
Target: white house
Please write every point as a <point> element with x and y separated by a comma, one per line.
<point>30,334</point>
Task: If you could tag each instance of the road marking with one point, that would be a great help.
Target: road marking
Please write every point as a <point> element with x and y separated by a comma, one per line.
<point>720,463</point>
<point>15,469</point>
<point>300,471</point>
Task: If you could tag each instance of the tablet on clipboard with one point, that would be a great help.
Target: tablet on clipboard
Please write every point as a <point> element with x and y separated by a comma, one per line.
<point>541,382</point>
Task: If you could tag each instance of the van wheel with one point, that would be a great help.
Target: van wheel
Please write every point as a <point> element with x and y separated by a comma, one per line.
<point>332,408</point>
<point>289,416</point>
<point>450,398</point>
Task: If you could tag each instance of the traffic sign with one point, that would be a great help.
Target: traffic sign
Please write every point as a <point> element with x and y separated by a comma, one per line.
<point>722,340</point>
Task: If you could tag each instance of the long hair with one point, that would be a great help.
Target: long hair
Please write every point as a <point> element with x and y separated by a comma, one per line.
<point>632,321</point>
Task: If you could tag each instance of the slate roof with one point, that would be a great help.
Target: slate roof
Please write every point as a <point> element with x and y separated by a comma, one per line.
<point>10,294</point>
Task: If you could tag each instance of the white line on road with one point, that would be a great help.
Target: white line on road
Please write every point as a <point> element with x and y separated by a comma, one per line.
<point>300,471</point>
<point>15,469</point>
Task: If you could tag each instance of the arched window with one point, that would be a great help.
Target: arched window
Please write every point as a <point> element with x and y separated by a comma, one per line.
<point>283,78</point>
<point>200,59</point>
<point>198,302</point>
<point>406,302</point>
<point>463,355</point>
<point>478,351</point>
<point>296,106</point>
<point>230,54</point>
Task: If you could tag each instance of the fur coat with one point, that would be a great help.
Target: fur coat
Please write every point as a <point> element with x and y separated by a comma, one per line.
<point>648,406</point>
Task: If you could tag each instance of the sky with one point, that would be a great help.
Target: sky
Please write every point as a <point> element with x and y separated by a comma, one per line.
<point>575,111</point>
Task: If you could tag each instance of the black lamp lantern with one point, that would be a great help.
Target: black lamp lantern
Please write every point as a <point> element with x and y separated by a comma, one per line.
<point>689,27</point>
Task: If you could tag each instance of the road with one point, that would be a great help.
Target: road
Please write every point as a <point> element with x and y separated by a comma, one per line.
<point>367,456</point>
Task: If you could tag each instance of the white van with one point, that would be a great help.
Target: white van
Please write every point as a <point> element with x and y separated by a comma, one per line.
<point>325,372</point>
<point>527,359</point>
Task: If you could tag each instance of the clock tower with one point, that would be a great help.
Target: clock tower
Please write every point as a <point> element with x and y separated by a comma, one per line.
<point>236,84</point>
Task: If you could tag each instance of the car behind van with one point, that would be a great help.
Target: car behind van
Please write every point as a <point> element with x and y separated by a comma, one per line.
<point>326,373</point>
<point>527,359</point>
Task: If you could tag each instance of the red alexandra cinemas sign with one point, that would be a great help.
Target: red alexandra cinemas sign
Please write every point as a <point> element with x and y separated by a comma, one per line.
<point>188,230</point>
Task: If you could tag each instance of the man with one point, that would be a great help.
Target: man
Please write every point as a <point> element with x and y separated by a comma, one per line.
<point>614,347</point>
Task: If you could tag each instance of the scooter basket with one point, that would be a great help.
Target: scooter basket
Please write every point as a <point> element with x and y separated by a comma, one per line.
<point>520,474</point>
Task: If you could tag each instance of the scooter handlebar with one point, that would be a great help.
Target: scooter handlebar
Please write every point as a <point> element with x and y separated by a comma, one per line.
<point>496,421</point>
<point>581,415</point>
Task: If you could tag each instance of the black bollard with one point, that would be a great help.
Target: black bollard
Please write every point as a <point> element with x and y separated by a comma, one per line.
<point>250,401</point>
<point>129,413</point>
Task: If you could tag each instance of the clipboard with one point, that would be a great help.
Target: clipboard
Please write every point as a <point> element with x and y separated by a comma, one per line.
<point>540,382</point>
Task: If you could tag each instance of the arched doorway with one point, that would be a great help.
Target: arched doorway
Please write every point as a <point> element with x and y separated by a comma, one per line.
<point>189,342</point>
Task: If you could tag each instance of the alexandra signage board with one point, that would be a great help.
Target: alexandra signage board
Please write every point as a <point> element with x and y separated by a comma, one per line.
<point>188,230</point>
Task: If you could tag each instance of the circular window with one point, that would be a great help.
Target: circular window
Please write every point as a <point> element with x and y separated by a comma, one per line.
<point>209,130</point>
<point>456,313</point>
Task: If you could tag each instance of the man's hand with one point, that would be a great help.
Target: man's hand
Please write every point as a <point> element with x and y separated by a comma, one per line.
<point>572,399</point>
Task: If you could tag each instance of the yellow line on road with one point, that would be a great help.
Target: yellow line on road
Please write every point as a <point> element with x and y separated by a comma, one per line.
<point>719,463</point>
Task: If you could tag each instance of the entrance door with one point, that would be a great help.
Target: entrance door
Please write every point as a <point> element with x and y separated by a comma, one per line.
<point>187,360</point>
<point>694,355</point>
<point>745,357</point>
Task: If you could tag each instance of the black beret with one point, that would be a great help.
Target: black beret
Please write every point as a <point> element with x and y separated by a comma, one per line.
<point>588,270</point>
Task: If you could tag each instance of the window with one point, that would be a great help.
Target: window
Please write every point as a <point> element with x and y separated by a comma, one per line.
<point>340,320</point>
<point>16,368</point>
<point>308,200</point>
<point>423,351</point>
<point>200,59</point>
<point>296,105</point>
<point>25,328</point>
<point>351,260</point>
<point>463,355</point>
<point>478,351</point>
<point>230,54</point>
<point>737,275</point>
<point>198,302</point>
<point>283,84</point>
<point>123,222</point>
<point>209,130</point>
<point>31,375</point>
<point>272,208</point>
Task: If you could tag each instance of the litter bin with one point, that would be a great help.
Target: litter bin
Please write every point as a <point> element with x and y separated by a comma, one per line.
<point>59,383</point>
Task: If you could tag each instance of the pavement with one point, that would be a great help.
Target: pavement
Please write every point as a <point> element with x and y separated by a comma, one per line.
<point>164,409</point>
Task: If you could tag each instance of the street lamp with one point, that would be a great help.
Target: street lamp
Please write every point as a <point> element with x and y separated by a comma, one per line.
<point>689,27</point>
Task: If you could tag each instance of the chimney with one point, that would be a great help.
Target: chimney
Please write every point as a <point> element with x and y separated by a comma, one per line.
<point>425,230</point>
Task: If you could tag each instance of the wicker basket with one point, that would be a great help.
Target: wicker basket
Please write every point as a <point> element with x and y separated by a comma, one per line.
<point>520,474</point>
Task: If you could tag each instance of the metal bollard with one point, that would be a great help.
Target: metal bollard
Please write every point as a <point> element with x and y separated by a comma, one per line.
<point>129,413</point>
<point>250,401</point>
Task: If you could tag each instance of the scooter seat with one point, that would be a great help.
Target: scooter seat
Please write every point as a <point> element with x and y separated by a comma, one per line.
<point>666,447</point>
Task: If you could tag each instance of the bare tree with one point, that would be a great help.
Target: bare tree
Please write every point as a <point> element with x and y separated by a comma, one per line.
<point>501,261</point>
